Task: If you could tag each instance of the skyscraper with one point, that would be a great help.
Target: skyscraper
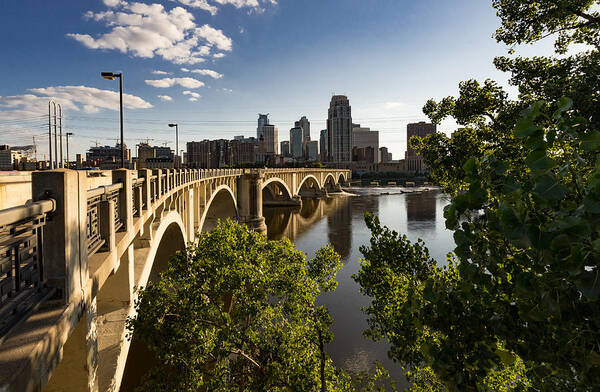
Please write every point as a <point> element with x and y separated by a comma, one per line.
<point>363,138</point>
<point>284,148</point>
<point>267,136</point>
<point>339,129</point>
<point>305,125</point>
<point>414,162</point>
<point>324,142</point>
<point>296,144</point>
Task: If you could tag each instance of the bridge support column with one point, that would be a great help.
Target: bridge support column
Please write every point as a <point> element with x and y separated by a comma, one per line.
<point>125,197</point>
<point>250,201</point>
<point>65,245</point>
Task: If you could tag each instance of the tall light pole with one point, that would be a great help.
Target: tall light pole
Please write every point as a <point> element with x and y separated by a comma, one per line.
<point>112,76</point>
<point>67,135</point>
<point>176,142</point>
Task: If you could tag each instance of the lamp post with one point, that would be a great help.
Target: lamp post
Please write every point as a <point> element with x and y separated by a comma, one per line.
<point>67,136</point>
<point>176,142</point>
<point>112,76</point>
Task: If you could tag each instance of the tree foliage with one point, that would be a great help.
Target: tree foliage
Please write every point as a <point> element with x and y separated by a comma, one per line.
<point>518,305</point>
<point>235,312</point>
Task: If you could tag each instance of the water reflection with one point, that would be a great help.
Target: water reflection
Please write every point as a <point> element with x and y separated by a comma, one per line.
<point>340,221</point>
<point>420,210</point>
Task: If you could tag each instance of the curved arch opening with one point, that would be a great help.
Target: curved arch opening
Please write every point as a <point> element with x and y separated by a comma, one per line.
<point>330,185</point>
<point>342,179</point>
<point>221,206</point>
<point>140,358</point>
<point>309,187</point>
<point>276,193</point>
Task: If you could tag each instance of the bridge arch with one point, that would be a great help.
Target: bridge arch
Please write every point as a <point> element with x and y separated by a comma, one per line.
<point>330,183</point>
<point>309,186</point>
<point>222,204</point>
<point>343,178</point>
<point>169,237</point>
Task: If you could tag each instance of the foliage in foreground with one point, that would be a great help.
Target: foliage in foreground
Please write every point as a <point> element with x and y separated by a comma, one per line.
<point>236,312</point>
<point>518,306</point>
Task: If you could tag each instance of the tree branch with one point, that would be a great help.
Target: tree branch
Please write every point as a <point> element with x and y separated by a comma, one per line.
<point>243,354</point>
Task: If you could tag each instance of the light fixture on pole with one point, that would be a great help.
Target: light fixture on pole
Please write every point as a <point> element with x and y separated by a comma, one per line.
<point>67,136</point>
<point>113,76</point>
<point>176,142</point>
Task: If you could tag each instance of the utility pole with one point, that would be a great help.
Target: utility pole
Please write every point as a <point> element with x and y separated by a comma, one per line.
<point>113,76</point>
<point>50,134</point>
<point>55,141</point>
<point>62,162</point>
<point>67,135</point>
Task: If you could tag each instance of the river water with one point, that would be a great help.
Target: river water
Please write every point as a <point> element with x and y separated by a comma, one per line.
<point>340,221</point>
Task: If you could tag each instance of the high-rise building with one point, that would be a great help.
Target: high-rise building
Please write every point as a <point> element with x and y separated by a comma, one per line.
<point>305,125</point>
<point>385,155</point>
<point>243,151</point>
<point>267,137</point>
<point>323,143</point>
<point>284,148</point>
<point>155,157</point>
<point>296,142</point>
<point>312,150</point>
<point>363,138</point>
<point>339,129</point>
<point>414,162</point>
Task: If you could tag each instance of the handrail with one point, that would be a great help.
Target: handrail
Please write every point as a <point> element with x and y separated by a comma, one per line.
<point>104,189</point>
<point>13,215</point>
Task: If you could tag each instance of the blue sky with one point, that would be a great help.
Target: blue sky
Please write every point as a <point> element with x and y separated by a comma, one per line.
<point>283,57</point>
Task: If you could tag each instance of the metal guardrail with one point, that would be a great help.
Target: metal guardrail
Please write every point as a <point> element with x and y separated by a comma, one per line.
<point>22,279</point>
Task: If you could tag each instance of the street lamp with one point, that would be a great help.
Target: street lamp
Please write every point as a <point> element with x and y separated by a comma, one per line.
<point>112,76</point>
<point>176,141</point>
<point>67,135</point>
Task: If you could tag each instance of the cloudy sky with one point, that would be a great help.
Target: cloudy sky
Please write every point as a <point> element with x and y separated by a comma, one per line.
<point>213,65</point>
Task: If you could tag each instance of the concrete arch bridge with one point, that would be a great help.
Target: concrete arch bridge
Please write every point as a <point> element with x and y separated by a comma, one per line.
<point>71,257</point>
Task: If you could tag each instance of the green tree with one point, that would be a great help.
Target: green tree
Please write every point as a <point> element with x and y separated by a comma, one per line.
<point>235,312</point>
<point>518,305</point>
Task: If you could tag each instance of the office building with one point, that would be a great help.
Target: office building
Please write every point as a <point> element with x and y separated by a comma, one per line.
<point>107,157</point>
<point>413,161</point>
<point>243,151</point>
<point>267,137</point>
<point>364,138</point>
<point>9,158</point>
<point>339,129</point>
<point>323,143</point>
<point>296,143</point>
<point>384,155</point>
<point>305,125</point>
<point>312,150</point>
<point>285,148</point>
<point>160,157</point>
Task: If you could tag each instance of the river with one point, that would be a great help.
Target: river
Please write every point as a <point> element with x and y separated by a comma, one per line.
<point>340,221</point>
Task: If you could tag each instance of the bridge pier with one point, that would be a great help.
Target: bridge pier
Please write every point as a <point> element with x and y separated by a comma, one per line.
<point>250,201</point>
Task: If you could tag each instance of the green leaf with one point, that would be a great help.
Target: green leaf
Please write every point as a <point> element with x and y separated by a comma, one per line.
<point>525,128</point>
<point>470,167</point>
<point>590,141</point>
<point>589,284</point>
<point>548,188</point>
<point>539,161</point>
<point>564,104</point>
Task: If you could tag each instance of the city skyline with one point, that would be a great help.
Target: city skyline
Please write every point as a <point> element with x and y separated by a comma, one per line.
<point>212,67</point>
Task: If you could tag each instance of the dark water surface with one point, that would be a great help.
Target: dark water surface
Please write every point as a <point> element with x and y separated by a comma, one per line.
<point>340,221</point>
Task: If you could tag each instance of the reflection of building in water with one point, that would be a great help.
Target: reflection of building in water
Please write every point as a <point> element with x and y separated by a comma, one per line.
<point>291,222</point>
<point>339,224</point>
<point>420,208</point>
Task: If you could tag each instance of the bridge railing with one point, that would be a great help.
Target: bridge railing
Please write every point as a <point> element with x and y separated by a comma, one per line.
<point>22,279</point>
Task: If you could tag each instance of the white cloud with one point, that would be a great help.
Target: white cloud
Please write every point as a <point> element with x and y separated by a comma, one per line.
<point>218,55</point>
<point>77,98</point>
<point>227,90</point>
<point>170,82</point>
<point>192,94</point>
<point>158,72</point>
<point>112,3</point>
<point>164,98</point>
<point>206,72</point>
<point>148,30</point>
<point>193,99</point>
<point>215,37</point>
<point>209,6</point>
<point>202,4</point>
